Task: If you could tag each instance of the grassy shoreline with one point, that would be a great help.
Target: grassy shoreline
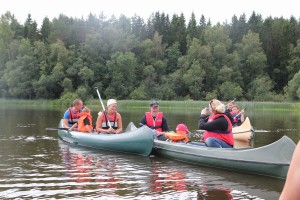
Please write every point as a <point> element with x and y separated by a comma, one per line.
<point>141,104</point>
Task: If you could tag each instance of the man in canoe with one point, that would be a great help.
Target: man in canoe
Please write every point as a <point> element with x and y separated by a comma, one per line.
<point>109,121</point>
<point>218,126</point>
<point>71,115</point>
<point>156,121</point>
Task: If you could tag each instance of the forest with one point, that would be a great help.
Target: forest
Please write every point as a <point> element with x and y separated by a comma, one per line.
<point>164,57</point>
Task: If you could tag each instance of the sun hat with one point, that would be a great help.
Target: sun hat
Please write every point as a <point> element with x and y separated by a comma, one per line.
<point>111,101</point>
<point>154,103</point>
<point>182,127</point>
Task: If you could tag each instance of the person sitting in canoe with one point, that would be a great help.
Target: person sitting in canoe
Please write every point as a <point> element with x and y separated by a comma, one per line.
<point>109,121</point>
<point>71,115</point>
<point>238,115</point>
<point>218,126</point>
<point>84,122</point>
<point>156,121</point>
<point>180,134</point>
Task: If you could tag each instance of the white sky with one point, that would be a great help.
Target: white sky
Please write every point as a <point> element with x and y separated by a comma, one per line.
<point>215,10</point>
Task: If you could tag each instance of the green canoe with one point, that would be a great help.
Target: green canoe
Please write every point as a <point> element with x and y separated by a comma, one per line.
<point>134,141</point>
<point>271,160</point>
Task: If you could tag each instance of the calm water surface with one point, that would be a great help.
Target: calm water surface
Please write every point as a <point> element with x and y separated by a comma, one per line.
<point>35,164</point>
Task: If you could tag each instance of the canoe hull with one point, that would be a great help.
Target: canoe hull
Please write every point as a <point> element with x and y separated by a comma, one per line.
<point>138,141</point>
<point>244,132</point>
<point>271,160</point>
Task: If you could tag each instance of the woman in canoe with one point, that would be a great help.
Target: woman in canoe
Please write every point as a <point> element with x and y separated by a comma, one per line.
<point>218,126</point>
<point>109,121</point>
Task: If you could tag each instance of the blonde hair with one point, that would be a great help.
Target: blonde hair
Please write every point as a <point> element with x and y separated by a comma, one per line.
<point>217,106</point>
<point>86,109</point>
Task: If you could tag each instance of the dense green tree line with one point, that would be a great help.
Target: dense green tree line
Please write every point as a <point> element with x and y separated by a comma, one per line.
<point>164,58</point>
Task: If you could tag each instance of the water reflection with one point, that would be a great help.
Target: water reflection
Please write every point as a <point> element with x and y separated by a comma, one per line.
<point>113,176</point>
<point>166,179</point>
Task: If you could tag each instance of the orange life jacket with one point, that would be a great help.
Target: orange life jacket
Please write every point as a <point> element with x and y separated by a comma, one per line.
<point>226,136</point>
<point>154,124</point>
<point>178,136</point>
<point>81,126</point>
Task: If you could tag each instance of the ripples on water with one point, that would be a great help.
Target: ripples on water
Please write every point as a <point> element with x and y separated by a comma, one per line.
<point>55,170</point>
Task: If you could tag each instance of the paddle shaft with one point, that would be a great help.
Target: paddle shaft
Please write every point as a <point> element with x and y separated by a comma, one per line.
<point>102,106</point>
<point>56,129</point>
<point>238,114</point>
<point>231,102</point>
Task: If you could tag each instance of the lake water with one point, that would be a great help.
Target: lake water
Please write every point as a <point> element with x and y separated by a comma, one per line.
<point>35,164</point>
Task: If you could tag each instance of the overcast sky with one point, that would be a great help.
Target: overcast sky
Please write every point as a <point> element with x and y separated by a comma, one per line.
<point>215,10</point>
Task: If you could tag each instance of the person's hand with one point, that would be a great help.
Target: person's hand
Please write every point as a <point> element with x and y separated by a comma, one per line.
<point>204,111</point>
<point>154,132</point>
<point>111,130</point>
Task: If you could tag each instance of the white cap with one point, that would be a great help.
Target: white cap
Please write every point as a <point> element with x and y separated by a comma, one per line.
<point>111,101</point>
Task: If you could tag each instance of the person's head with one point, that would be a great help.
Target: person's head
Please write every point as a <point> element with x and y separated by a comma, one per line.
<point>230,104</point>
<point>112,105</point>
<point>182,129</point>
<point>235,109</point>
<point>216,106</point>
<point>86,109</point>
<point>77,104</point>
<point>154,108</point>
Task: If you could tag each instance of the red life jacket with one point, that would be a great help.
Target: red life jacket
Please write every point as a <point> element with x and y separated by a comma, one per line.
<point>154,124</point>
<point>73,117</point>
<point>235,119</point>
<point>226,136</point>
<point>111,118</point>
<point>81,126</point>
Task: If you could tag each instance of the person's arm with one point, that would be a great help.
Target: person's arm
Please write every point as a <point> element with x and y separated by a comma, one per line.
<point>242,116</point>
<point>120,125</point>
<point>66,119</point>
<point>165,127</point>
<point>143,121</point>
<point>292,184</point>
<point>99,123</point>
<point>72,127</point>
<point>218,124</point>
